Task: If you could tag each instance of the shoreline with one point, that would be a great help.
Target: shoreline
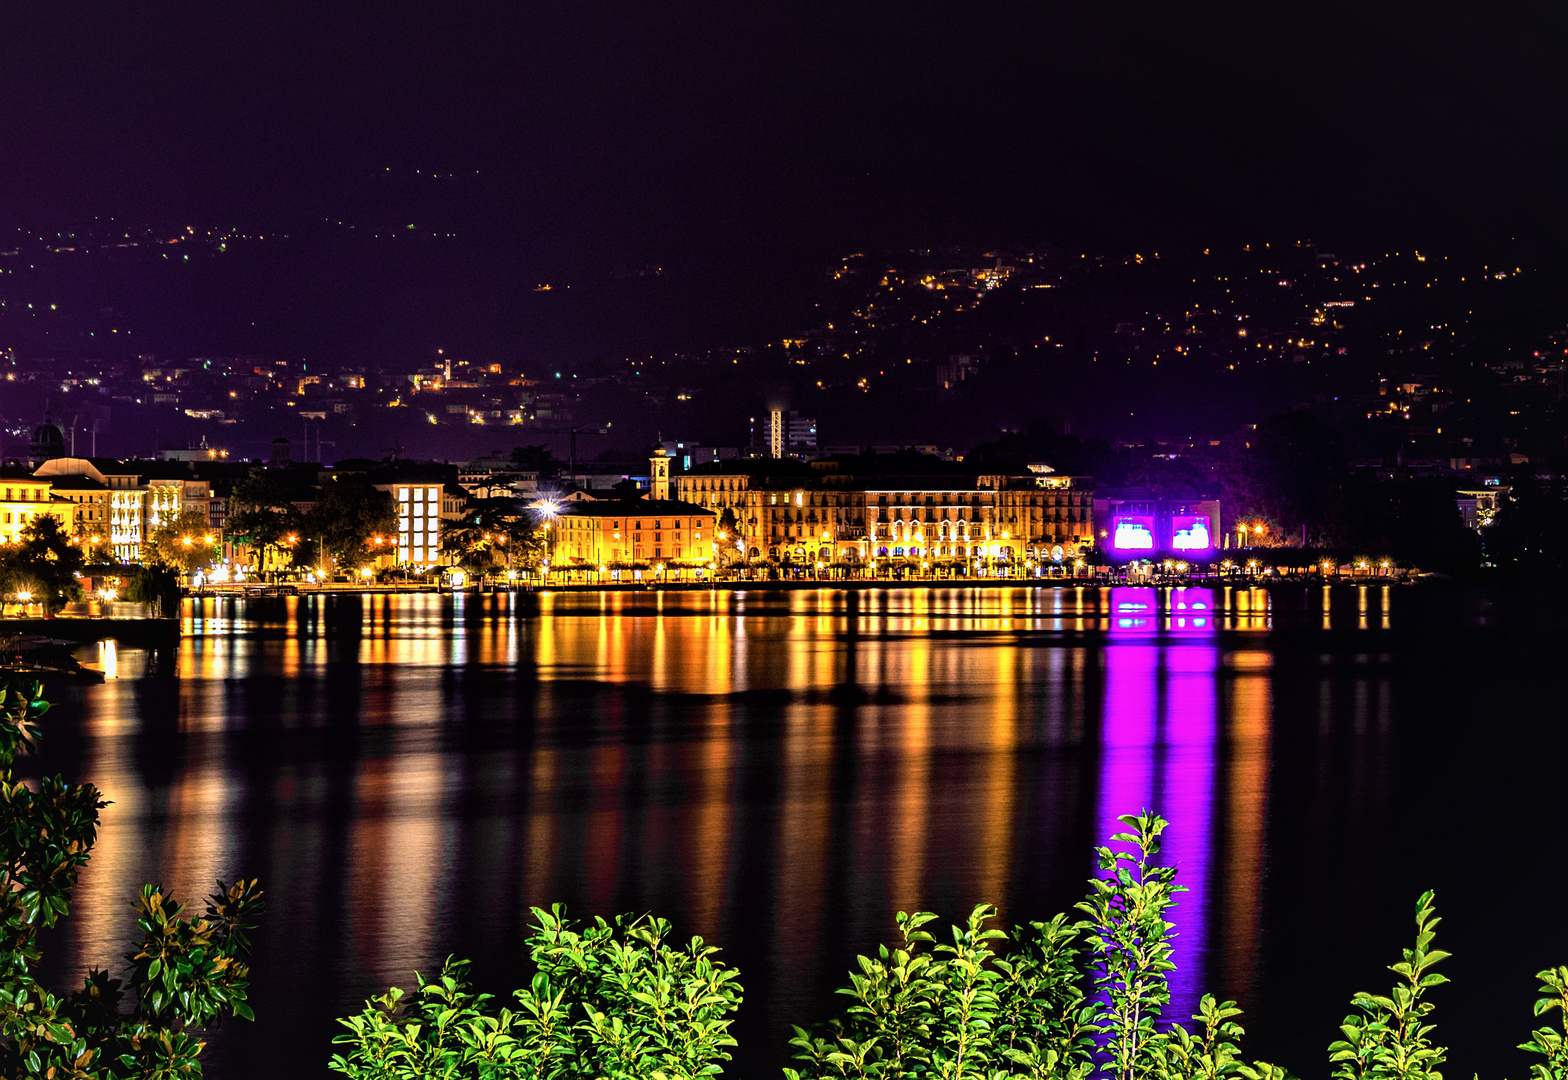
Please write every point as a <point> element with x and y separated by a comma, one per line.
<point>846,585</point>
<point>84,629</point>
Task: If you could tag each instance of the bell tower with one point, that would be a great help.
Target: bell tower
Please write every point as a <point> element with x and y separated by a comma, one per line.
<point>660,474</point>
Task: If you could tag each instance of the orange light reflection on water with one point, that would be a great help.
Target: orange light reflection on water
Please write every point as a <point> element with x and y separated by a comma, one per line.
<point>890,750</point>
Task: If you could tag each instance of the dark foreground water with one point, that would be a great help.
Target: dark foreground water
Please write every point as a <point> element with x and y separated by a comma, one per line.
<point>782,771</point>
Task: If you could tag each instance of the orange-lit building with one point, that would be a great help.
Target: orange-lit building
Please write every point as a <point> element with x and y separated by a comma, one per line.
<point>791,513</point>
<point>624,532</point>
<point>651,531</point>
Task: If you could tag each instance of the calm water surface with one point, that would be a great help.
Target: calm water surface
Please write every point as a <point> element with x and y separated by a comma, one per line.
<point>780,772</point>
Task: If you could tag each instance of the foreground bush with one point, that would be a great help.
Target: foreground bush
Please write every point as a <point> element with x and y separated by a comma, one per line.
<point>184,975</point>
<point>1066,999</point>
<point>609,1000</point>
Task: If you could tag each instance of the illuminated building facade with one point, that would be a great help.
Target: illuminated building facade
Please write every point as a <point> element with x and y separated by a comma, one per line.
<point>1139,527</point>
<point>27,498</point>
<point>91,500</point>
<point>425,497</point>
<point>127,512</point>
<point>931,524</point>
<point>789,515</point>
<point>1478,506</point>
<point>418,522</point>
<point>805,516</point>
<point>1042,516</point>
<point>590,533</point>
<point>123,503</point>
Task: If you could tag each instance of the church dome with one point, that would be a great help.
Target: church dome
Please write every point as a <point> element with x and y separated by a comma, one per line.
<point>48,442</point>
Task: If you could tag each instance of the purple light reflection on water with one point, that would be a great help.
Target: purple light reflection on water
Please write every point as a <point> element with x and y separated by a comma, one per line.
<point>1158,751</point>
<point>1190,734</point>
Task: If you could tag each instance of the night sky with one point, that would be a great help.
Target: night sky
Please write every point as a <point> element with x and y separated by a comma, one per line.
<point>595,131</point>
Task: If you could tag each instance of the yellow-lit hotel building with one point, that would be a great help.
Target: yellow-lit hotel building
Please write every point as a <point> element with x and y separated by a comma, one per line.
<point>789,512</point>
<point>25,499</point>
<point>589,533</point>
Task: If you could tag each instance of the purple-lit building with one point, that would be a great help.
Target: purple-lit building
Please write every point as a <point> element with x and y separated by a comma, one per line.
<point>1136,525</point>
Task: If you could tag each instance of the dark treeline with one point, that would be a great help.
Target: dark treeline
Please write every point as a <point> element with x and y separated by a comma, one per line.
<point>1292,472</point>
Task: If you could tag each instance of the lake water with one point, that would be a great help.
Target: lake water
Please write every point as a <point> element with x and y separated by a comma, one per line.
<point>782,771</point>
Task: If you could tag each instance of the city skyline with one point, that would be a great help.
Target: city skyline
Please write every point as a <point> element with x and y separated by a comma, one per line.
<point>1087,483</point>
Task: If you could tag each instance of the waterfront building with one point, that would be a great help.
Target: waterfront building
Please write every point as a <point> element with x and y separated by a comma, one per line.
<point>784,510</point>
<point>418,521</point>
<point>1135,524</point>
<point>935,522</point>
<point>137,497</point>
<point>1043,516</point>
<point>623,531</point>
<point>616,533</point>
<point>425,497</point>
<point>91,500</point>
<point>25,499</point>
<point>794,513</point>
